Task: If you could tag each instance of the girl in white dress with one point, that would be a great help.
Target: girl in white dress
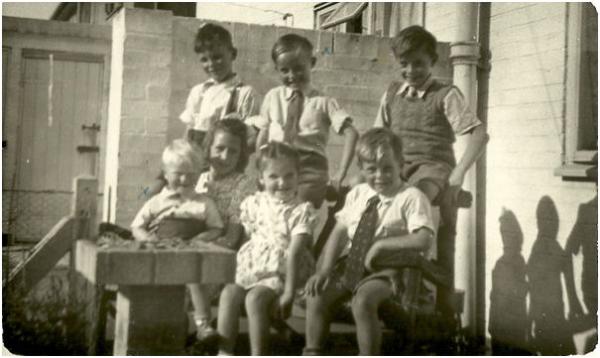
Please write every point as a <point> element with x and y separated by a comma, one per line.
<point>276,260</point>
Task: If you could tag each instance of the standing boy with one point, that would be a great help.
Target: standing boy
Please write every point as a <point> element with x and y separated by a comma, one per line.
<point>300,115</point>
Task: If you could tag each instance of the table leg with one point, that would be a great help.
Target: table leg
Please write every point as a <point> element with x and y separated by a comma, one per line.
<point>150,320</point>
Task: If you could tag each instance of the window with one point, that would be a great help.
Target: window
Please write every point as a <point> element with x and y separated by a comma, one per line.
<point>346,13</point>
<point>581,102</point>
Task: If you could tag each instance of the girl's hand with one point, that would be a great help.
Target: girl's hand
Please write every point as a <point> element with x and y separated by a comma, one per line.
<point>285,305</point>
<point>317,283</point>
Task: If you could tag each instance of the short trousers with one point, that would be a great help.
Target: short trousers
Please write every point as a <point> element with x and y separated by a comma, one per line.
<point>418,170</point>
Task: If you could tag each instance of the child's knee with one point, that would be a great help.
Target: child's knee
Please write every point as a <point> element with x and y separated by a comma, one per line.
<point>258,298</point>
<point>364,303</point>
<point>232,294</point>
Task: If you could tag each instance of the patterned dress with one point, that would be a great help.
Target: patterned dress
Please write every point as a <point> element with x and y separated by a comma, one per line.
<point>228,194</point>
<point>270,224</point>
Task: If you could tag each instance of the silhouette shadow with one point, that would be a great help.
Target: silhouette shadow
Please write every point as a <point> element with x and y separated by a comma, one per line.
<point>551,333</point>
<point>583,240</point>
<point>508,305</point>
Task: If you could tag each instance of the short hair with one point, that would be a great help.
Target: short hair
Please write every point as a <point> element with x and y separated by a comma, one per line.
<point>414,38</point>
<point>369,143</point>
<point>277,150</point>
<point>210,35</point>
<point>181,151</point>
<point>291,43</point>
<point>236,128</point>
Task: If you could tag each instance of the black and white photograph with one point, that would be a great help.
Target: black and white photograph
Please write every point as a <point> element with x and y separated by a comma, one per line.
<point>299,178</point>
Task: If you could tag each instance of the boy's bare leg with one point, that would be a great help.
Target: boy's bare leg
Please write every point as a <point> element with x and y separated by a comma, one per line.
<point>430,189</point>
<point>259,305</point>
<point>318,317</point>
<point>365,303</point>
<point>230,304</point>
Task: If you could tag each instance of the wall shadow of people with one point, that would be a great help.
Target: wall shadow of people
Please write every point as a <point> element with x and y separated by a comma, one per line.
<point>508,305</point>
<point>584,239</point>
<point>551,333</point>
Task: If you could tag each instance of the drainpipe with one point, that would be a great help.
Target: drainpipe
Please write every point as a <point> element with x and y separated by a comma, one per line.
<point>464,56</point>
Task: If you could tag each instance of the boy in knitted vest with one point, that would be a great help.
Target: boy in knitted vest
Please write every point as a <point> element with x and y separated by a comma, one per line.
<point>427,115</point>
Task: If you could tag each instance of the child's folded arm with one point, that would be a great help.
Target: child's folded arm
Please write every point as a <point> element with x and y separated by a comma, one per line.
<point>419,240</point>
<point>211,234</point>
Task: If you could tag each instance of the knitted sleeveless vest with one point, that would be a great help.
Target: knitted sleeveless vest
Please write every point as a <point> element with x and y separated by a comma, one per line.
<point>421,124</point>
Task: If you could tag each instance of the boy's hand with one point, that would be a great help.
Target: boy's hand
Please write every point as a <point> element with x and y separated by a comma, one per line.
<point>284,309</point>
<point>317,283</point>
<point>456,178</point>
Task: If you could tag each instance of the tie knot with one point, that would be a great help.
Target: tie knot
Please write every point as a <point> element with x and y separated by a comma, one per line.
<point>373,201</point>
<point>296,94</point>
<point>412,92</point>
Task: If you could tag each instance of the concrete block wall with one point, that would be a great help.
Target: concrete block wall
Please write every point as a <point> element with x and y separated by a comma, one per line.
<point>533,218</point>
<point>139,108</point>
<point>354,69</point>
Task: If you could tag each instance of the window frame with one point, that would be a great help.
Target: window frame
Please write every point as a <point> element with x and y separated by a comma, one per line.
<point>578,163</point>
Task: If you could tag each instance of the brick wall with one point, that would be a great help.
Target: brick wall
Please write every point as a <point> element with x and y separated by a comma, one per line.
<point>154,67</point>
<point>526,204</point>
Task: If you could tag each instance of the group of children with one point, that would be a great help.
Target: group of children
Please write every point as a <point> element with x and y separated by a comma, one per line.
<point>406,163</point>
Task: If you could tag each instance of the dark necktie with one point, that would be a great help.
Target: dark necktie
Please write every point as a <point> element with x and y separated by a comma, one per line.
<point>361,242</point>
<point>231,106</point>
<point>294,111</point>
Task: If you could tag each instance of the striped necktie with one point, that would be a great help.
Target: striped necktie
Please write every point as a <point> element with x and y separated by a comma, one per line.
<point>361,242</point>
<point>294,112</point>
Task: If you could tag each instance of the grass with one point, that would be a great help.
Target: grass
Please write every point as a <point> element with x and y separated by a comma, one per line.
<point>44,322</point>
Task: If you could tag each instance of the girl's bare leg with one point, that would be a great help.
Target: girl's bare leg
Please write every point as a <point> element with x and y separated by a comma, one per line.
<point>230,304</point>
<point>259,305</point>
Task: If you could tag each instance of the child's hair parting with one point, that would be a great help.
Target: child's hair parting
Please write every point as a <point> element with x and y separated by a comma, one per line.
<point>414,38</point>
<point>291,43</point>
<point>276,150</point>
<point>237,129</point>
<point>371,145</point>
<point>180,151</point>
<point>210,35</point>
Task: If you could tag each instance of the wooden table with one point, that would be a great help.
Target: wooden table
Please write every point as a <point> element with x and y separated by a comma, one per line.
<point>151,319</point>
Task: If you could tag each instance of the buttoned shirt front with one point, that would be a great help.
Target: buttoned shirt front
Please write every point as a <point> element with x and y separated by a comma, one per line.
<point>207,102</point>
<point>320,113</point>
<point>398,215</point>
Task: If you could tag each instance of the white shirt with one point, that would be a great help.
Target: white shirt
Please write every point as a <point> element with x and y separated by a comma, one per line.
<point>207,102</point>
<point>398,215</point>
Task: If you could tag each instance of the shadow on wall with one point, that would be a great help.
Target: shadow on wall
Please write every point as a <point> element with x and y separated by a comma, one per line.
<point>508,306</point>
<point>544,329</point>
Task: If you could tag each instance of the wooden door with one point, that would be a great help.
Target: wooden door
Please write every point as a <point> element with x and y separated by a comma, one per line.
<point>60,113</point>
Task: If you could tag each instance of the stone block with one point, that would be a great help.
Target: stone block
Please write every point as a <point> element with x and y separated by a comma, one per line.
<point>180,266</point>
<point>263,37</point>
<point>132,125</point>
<point>157,92</point>
<point>324,43</point>
<point>147,58</point>
<point>140,75</point>
<point>353,63</point>
<point>144,108</point>
<point>353,93</point>
<point>240,35</point>
<point>156,125</point>
<point>149,21</point>
<point>358,45</point>
<point>147,42</point>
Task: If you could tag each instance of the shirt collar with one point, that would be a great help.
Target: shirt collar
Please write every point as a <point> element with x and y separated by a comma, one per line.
<point>384,200</point>
<point>231,82</point>
<point>288,92</point>
<point>403,90</point>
